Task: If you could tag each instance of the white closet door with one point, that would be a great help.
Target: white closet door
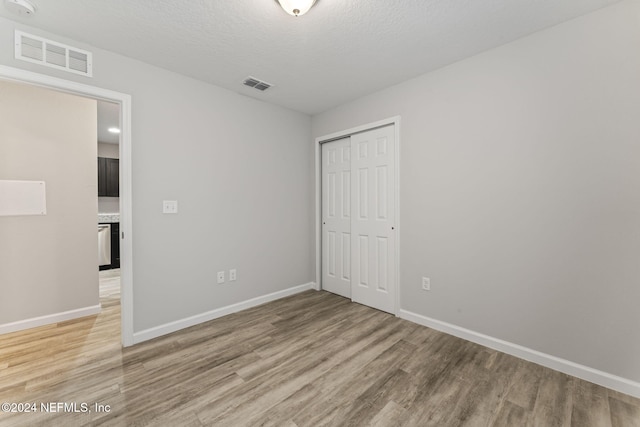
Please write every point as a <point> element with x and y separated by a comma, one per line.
<point>373,238</point>
<point>336,217</point>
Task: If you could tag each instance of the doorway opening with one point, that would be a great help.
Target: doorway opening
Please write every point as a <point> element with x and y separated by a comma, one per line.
<point>108,203</point>
<point>123,101</point>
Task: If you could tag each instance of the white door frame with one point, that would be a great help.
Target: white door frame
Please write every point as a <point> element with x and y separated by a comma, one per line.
<point>318,164</point>
<point>126,228</point>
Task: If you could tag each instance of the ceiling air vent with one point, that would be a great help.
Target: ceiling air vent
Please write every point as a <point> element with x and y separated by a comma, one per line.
<point>53,54</point>
<point>256,84</point>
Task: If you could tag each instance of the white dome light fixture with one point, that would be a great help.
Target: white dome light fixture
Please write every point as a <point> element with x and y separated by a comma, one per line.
<point>296,7</point>
<point>20,7</point>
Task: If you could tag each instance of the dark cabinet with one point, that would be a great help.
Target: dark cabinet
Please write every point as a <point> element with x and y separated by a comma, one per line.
<point>115,245</point>
<point>102,177</point>
<point>108,177</point>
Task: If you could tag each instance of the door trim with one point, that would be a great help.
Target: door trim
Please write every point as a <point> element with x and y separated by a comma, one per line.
<point>126,226</point>
<point>395,121</point>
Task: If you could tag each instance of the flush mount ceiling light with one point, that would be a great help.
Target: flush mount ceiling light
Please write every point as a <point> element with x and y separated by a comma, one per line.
<point>114,130</point>
<point>20,7</point>
<point>296,7</point>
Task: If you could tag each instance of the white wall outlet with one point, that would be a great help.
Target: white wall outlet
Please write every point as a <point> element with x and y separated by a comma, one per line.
<point>426,284</point>
<point>170,206</point>
<point>220,277</point>
<point>232,275</point>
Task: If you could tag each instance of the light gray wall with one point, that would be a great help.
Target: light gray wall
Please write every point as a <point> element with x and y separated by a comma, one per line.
<point>238,168</point>
<point>48,263</point>
<point>110,151</point>
<point>520,189</point>
<point>108,205</point>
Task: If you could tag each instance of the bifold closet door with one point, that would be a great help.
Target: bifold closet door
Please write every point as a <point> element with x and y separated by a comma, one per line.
<point>336,217</point>
<point>373,234</point>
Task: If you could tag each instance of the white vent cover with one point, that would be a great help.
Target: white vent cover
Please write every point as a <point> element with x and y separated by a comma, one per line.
<point>52,54</point>
<point>257,84</point>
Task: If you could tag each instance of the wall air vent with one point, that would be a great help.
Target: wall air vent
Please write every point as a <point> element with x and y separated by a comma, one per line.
<point>52,54</point>
<point>257,84</point>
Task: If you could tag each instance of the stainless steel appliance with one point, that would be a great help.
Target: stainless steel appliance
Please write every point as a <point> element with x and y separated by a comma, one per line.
<point>104,244</point>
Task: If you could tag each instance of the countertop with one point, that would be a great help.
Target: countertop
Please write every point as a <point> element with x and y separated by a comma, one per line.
<point>108,217</point>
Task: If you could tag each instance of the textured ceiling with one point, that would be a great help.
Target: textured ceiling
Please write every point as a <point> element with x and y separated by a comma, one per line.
<point>339,51</point>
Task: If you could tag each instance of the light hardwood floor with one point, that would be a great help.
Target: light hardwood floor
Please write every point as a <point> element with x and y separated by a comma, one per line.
<point>312,359</point>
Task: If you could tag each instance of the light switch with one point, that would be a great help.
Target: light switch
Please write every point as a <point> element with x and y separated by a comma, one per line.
<point>170,206</point>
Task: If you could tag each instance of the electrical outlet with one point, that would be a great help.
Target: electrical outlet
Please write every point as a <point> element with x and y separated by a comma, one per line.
<point>232,275</point>
<point>426,284</point>
<point>220,277</point>
<point>170,206</point>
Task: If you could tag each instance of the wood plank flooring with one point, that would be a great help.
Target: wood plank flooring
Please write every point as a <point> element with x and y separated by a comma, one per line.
<point>313,359</point>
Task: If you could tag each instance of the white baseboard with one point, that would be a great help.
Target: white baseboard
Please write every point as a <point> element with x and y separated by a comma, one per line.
<point>586,373</point>
<point>176,325</point>
<point>49,319</point>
